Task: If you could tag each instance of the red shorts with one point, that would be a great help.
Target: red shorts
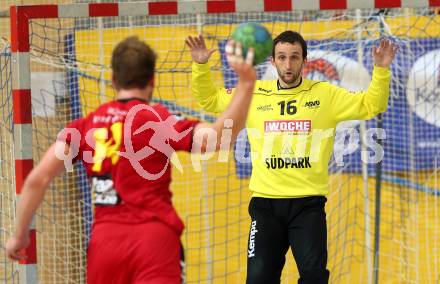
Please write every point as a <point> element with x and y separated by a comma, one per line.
<point>134,253</point>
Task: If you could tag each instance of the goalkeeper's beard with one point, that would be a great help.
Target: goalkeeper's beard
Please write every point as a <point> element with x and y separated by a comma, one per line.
<point>289,79</point>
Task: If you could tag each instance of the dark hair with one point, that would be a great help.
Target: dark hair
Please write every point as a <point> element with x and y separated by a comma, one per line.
<point>133,63</point>
<point>290,37</point>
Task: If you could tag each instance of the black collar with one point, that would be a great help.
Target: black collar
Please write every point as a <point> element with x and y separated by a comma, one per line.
<point>282,88</point>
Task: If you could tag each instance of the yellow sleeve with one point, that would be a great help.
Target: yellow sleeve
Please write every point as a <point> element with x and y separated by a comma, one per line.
<point>210,97</point>
<point>363,105</point>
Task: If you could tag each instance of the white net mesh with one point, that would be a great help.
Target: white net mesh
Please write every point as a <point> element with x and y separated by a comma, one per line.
<point>7,195</point>
<point>71,76</point>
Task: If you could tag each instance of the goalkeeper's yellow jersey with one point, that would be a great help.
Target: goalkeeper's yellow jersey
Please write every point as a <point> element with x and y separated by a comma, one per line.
<point>291,131</point>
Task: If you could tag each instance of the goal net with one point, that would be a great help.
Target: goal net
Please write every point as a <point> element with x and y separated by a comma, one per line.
<point>70,76</point>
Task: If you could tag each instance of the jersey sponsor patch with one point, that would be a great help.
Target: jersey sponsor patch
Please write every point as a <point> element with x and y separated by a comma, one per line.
<point>264,90</point>
<point>288,162</point>
<point>104,192</point>
<point>293,126</point>
<point>312,104</point>
<point>264,107</point>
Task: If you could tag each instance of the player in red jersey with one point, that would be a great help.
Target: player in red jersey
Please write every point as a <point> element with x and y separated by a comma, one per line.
<point>126,147</point>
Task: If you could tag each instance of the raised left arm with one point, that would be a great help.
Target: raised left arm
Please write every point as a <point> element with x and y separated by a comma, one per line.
<point>367,104</point>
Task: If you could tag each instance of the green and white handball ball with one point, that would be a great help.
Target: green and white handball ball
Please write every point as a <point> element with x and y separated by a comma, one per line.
<point>256,36</point>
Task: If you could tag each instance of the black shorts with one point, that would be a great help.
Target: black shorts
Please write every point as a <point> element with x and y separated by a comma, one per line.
<point>279,223</point>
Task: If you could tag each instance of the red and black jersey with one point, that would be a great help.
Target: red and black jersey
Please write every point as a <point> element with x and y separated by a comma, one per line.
<point>126,146</point>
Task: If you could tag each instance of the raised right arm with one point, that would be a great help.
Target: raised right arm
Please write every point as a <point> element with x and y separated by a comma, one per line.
<point>236,111</point>
<point>211,98</point>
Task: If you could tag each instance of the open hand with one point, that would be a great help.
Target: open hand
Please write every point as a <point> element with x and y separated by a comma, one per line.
<point>199,52</point>
<point>384,54</point>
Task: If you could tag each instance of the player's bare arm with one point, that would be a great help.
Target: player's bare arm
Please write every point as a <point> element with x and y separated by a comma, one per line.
<point>238,108</point>
<point>199,52</point>
<point>33,191</point>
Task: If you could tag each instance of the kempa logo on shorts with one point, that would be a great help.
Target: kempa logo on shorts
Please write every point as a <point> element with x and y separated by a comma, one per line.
<point>295,126</point>
<point>253,232</point>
